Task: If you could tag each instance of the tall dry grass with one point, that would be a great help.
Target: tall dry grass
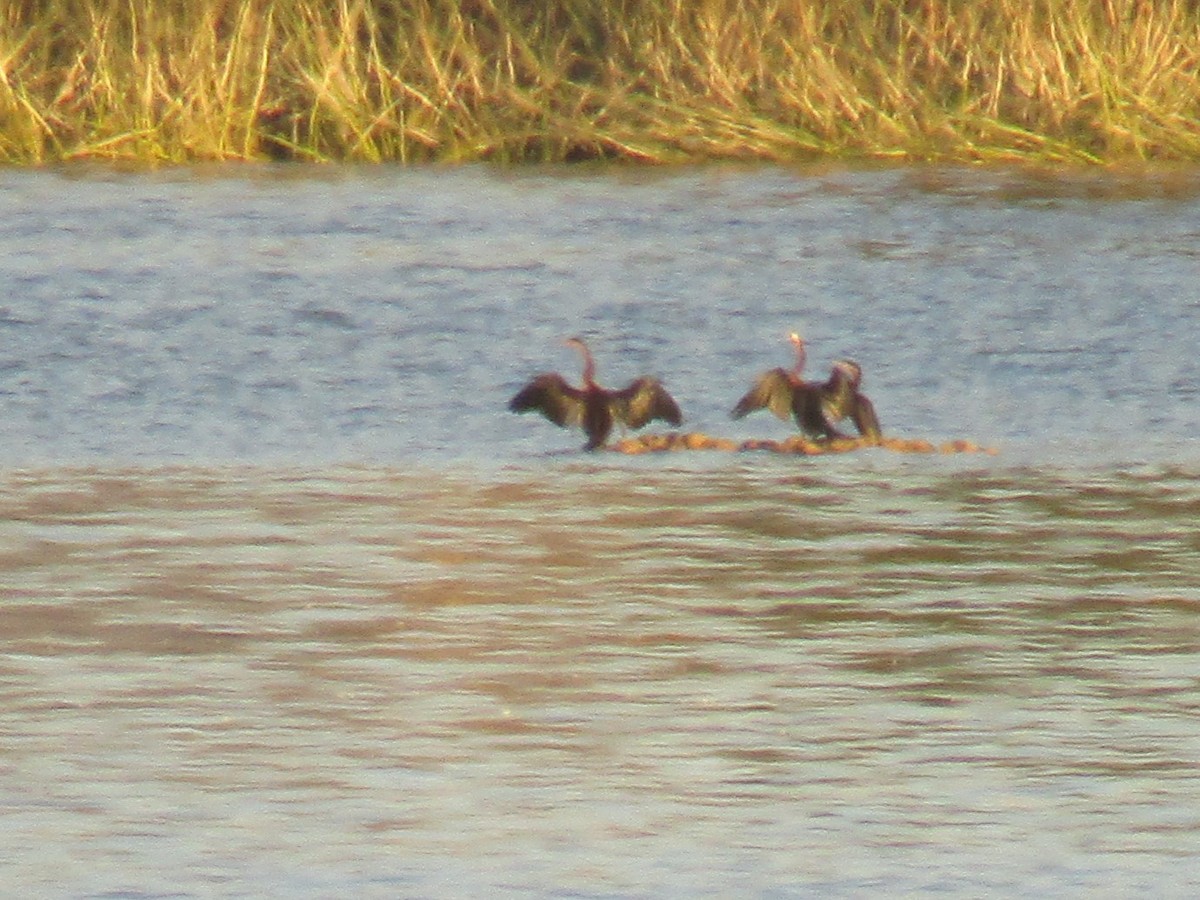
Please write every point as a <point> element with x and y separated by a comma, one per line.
<point>658,80</point>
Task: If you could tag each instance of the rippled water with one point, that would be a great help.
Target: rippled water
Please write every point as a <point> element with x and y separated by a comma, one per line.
<point>292,606</point>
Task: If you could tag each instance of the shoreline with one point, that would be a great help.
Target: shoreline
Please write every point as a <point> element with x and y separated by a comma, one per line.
<point>647,82</point>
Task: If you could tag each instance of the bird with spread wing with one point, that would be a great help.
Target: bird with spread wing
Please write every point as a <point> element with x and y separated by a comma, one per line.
<point>593,408</point>
<point>817,407</point>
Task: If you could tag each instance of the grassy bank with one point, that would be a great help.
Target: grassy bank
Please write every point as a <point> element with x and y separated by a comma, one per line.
<point>654,80</point>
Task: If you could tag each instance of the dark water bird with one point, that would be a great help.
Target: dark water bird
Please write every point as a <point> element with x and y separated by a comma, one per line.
<point>842,399</point>
<point>593,408</point>
<point>817,407</point>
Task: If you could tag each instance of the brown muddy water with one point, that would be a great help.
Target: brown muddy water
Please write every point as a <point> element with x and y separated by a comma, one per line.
<point>293,607</point>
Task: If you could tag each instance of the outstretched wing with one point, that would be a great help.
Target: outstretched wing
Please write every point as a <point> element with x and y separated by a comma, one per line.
<point>550,395</point>
<point>865,419</point>
<point>842,398</point>
<point>643,400</point>
<point>818,411</point>
<point>773,390</point>
<point>836,398</point>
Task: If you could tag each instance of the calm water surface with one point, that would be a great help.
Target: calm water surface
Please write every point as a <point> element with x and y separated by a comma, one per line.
<point>293,607</point>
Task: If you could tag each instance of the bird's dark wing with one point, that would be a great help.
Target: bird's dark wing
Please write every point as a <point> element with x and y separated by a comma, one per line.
<point>864,417</point>
<point>836,398</point>
<point>643,400</point>
<point>840,399</point>
<point>818,411</point>
<point>772,390</point>
<point>550,395</point>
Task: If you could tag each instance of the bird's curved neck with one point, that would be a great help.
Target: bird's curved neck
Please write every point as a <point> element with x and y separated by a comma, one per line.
<point>801,358</point>
<point>589,365</point>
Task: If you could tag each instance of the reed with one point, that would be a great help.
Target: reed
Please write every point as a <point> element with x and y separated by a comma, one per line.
<point>651,80</point>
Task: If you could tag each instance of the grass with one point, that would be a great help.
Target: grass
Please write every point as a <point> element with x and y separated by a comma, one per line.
<point>645,80</point>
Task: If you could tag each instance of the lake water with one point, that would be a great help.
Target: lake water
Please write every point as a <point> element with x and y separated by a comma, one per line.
<point>292,606</point>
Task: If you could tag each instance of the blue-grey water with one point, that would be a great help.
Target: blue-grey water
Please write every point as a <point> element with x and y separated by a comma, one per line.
<point>292,606</point>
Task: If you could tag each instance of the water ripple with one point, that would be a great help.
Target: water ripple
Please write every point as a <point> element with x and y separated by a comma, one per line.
<point>868,670</point>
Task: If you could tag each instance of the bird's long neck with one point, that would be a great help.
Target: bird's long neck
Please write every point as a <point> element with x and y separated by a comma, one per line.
<point>589,365</point>
<point>801,358</point>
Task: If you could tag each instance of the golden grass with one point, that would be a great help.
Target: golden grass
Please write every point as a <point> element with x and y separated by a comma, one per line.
<point>652,80</point>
